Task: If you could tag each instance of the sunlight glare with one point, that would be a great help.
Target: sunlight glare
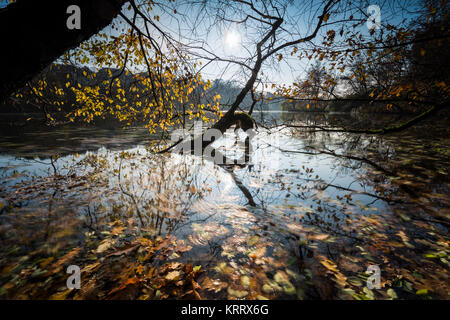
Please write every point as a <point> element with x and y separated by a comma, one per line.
<point>232,39</point>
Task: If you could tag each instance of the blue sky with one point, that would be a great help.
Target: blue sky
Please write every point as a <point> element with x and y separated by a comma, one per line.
<point>216,35</point>
<point>300,19</point>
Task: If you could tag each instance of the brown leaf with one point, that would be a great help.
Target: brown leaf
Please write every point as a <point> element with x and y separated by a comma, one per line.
<point>117,230</point>
<point>89,268</point>
<point>65,259</point>
<point>127,282</point>
<point>126,250</point>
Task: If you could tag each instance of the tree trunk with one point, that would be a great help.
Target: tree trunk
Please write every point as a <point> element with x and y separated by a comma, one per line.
<point>34,33</point>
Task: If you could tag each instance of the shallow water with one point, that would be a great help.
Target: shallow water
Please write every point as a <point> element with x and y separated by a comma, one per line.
<point>304,217</point>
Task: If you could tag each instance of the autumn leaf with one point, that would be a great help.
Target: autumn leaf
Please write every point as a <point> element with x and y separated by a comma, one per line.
<point>213,285</point>
<point>129,282</point>
<point>104,245</point>
<point>60,295</point>
<point>319,237</point>
<point>140,269</point>
<point>330,265</point>
<point>173,275</point>
<point>125,251</point>
<point>253,240</point>
<point>237,293</point>
<point>196,268</point>
<point>90,268</point>
<point>46,262</point>
<point>117,230</point>
<point>57,266</point>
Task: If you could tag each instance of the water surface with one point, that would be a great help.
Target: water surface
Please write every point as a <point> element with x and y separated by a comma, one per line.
<point>302,219</point>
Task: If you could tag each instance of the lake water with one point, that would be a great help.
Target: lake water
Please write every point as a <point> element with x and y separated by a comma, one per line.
<point>303,218</point>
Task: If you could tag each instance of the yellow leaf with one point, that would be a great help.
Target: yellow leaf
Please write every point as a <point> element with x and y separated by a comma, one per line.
<point>140,270</point>
<point>330,265</point>
<point>172,276</point>
<point>60,295</point>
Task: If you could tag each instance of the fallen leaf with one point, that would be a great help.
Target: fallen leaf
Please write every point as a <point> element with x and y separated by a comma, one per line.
<point>173,275</point>
<point>330,265</point>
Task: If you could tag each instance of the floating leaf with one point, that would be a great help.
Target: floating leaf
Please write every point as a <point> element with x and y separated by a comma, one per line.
<point>330,265</point>
<point>245,281</point>
<point>104,245</point>
<point>237,293</point>
<point>320,237</point>
<point>60,295</point>
<point>355,281</point>
<point>391,293</point>
<point>196,268</point>
<point>422,292</point>
<point>253,240</point>
<point>173,275</point>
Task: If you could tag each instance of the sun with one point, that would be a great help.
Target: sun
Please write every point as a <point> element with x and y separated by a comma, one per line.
<point>232,39</point>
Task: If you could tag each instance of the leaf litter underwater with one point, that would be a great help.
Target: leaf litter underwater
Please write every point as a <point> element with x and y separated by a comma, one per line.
<point>303,219</point>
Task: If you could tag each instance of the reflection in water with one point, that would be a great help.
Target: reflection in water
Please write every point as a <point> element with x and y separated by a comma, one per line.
<point>304,218</point>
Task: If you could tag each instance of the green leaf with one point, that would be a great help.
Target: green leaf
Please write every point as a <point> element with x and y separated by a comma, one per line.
<point>197,268</point>
<point>422,292</point>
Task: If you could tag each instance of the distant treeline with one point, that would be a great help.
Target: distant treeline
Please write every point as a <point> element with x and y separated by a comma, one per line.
<point>51,91</point>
